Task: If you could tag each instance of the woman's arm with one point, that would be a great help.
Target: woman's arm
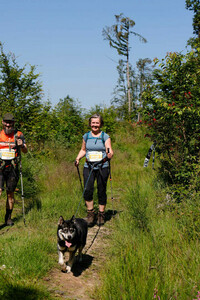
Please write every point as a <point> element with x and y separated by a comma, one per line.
<point>81,153</point>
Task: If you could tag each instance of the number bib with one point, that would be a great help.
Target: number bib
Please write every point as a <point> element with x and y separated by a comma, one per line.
<point>6,154</point>
<point>94,156</point>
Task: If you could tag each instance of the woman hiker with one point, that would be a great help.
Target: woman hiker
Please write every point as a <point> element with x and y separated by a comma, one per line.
<point>96,146</point>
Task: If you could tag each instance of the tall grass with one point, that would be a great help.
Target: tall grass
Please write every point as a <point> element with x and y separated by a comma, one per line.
<point>154,247</point>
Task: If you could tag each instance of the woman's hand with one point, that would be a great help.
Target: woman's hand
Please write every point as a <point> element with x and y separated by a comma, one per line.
<point>109,150</point>
<point>81,154</point>
<point>109,153</point>
<point>76,162</point>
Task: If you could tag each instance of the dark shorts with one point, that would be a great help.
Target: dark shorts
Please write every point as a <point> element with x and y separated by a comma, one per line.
<point>9,176</point>
<point>102,177</point>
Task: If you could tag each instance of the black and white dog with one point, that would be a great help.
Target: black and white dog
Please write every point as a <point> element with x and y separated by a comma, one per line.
<point>72,235</point>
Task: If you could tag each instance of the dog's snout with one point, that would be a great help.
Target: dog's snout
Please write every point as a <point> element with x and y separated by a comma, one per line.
<point>69,237</point>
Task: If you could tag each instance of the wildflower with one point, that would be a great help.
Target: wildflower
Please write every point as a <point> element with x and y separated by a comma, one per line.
<point>154,119</point>
<point>173,103</point>
<point>198,296</point>
<point>155,296</point>
<point>2,267</point>
<point>169,104</point>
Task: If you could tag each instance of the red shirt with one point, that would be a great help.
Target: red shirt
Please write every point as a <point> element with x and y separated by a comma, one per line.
<point>7,141</point>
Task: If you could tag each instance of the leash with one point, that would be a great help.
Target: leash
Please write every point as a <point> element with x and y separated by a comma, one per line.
<point>147,158</point>
<point>93,240</point>
<point>94,164</point>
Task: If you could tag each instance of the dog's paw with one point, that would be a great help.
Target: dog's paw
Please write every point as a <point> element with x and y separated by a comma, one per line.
<point>61,262</point>
<point>68,269</point>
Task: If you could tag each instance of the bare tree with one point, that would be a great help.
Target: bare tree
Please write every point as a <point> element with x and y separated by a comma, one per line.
<point>118,36</point>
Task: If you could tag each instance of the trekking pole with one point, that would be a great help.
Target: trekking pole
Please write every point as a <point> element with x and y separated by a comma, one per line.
<point>154,154</point>
<point>22,191</point>
<point>79,176</point>
<point>147,158</point>
<point>110,182</point>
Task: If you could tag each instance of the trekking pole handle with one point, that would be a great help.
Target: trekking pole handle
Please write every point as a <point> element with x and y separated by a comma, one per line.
<point>108,153</point>
<point>75,163</point>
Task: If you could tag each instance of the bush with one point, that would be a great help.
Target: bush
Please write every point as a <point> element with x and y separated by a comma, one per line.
<point>172,115</point>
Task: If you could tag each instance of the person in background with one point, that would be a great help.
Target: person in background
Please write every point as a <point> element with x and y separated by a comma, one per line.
<point>96,146</point>
<point>12,142</point>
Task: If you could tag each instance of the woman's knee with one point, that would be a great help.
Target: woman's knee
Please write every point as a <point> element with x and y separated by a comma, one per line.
<point>10,197</point>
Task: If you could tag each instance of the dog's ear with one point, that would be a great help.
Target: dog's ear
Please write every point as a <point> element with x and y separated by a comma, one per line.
<point>73,219</point>
<point>61,220</point>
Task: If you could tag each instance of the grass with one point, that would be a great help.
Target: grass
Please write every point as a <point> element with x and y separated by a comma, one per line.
<point>150,256</point>
<point>29,252</point>
<point>153,249</point>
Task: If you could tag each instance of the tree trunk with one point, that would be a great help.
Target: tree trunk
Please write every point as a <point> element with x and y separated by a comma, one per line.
<point>128,83</point>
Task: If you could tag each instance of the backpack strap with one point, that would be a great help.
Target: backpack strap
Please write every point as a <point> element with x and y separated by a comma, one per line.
<point>98,138</point>
<point>87,136</point>
<point>102,137</point>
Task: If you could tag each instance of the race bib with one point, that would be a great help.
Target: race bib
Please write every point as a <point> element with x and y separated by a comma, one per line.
<point>95,156</point>
<point>6,154</point>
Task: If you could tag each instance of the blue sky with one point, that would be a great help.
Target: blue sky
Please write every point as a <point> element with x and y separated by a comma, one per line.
<point>64,40</point>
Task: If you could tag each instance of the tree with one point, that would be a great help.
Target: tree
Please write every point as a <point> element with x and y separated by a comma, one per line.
<point>20,91</point>
<point>109,116</point>
<point>120,98</point>
<point>69,121</point>
<point>195,6</point>
<point>118,36</point>
<point>144,75</point>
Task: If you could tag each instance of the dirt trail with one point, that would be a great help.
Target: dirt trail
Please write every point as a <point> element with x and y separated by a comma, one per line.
<point>81,282</point>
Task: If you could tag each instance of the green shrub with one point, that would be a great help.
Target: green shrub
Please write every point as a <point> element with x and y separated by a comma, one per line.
<point>172,115</point>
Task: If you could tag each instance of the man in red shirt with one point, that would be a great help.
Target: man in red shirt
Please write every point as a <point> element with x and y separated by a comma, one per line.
<point>12,143</point>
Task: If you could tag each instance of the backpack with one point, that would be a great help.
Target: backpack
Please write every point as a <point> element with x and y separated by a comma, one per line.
<point>101,137</point>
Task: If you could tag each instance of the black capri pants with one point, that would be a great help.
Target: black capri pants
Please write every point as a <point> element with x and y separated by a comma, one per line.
<point>101,175</point>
